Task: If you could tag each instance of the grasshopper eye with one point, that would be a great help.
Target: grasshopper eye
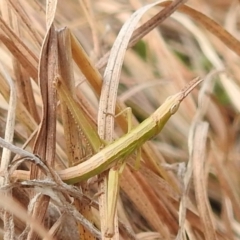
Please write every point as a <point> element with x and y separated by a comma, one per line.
<point>174,108</point>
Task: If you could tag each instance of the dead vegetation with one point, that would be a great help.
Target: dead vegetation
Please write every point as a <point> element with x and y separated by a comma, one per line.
<point>59,53</point>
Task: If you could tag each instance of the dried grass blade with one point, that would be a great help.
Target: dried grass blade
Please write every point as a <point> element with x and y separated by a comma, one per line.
<point>20,51</point>
<point>6,154</point>
<point>161,185</point>
<point>200,177</point>
<point>45,142</point>
<point>226,182</point>
<point>211,26</point>
<point>51,7</point>
<point>23,81</point>
<point>86,66</point>
<point>9,131</point>
<point>13,206</point>
<point>159,203</point>
<point>27,24</point>
<point>22,113</point>
<point>75,139</point>
<point>140,32</point>
<point>203,104</point>
<point>25,90</point>
<point>88,11</point>
<point>131,185</point>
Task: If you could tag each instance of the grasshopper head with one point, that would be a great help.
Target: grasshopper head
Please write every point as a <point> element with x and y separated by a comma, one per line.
<point>177,98</point>
<point>174,102</point>
<point>174,107</point>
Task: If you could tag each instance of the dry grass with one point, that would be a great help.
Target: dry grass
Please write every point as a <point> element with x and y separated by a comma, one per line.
<point>188,183</point>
